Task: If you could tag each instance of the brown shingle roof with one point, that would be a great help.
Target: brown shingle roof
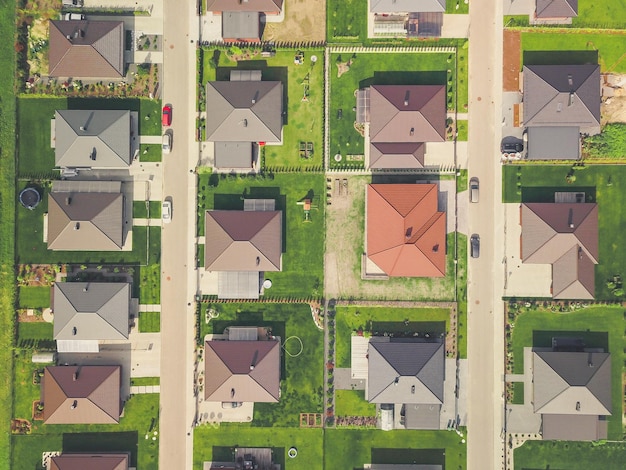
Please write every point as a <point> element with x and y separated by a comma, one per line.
<point>243,240</point>
<point>89,462</point>
<point>92,398</point>
<point>407,113</point>
<point>266,6</point>
<point>406,234</point>
<point>93,49</point>
<point>242,371</point>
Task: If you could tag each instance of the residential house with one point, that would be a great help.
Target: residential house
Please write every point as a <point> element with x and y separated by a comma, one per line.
<point>257,458</point>
<point>112,461</point>
<point>555,11</point>
<point>243,245</point>
<point>564,235</point>
<point>560,103</point>
<point>245,113</point>
<point>407,374</point>
<point>243,368</point>
<point>86,49</point>
<point>401,119</point>
<point>572,392</point>
<point>241,19</point>
<point>412,18</point>
<point>86,313</point>
<point>96,139</point>
<point>268,7</point>
<point>85,216</point>
<point>81,394</point>
<point>405,230</point>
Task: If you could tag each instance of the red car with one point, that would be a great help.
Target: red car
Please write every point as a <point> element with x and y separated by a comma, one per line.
<point>167,115</point>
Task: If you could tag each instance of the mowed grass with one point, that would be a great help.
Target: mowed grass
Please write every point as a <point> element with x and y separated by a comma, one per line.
<point>220,442</point>
<point>346,20</point>
<point>140,210</point>
<point>570,455</point>
<point>353,318</point>
<point>301,376</point>
<point>149,322</point>
<point>609,185</point>
<point>609,47</point>
<point>584,323</point>
<point>353,403</point>
<point>303,242</point>
<point>601,14</point>
<point>150,153</point>
<point>34,297</point>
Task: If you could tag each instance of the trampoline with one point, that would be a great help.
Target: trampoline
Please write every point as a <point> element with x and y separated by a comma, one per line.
<point>29,198</point>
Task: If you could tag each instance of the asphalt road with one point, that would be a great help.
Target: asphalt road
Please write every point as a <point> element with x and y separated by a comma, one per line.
<point>485,348</point>
<point>177,242</point>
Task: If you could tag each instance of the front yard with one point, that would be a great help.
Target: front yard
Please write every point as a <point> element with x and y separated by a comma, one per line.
<point>303,241</point>
<point>570,455</point>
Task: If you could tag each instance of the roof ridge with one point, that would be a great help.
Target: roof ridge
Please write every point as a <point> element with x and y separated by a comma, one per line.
<point>423,229</point>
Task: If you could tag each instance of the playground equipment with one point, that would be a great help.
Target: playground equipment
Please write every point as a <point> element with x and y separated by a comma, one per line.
<point>305,92</point>
<point>308,204</point>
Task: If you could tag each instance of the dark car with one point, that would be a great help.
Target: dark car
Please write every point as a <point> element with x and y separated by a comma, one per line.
<point>167,115</point>
<point>475,246</point>
<point>512,147</point>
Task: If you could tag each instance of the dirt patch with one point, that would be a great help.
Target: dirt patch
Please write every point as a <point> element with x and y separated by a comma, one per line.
<point>305,20</point>
<point>343,67</point>
<point>613,107</point>
<point>511,60</point>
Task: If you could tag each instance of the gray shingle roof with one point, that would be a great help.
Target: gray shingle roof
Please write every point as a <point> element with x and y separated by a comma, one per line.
<point>240,25</point>
<point>553,143</point>
<point>266,6</point>
<point>557,8</point>
<point>405,371</point>
<point>92,138</point>
<point>233,154</point>
<point>91,310</point>
<point>243,111</point>
<point>397,155</point>
<point>407,6</point>
<point>562,95</point>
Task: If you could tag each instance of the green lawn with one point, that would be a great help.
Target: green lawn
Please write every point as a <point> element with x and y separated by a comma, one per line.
<point>34,297</point>
<point>459,7</point>
<point>584,323</point>
<point>601,14</point>
<point>570,455</point>
<point>605,185</point>
<point>302,376</point>
<point>462,296</point>
<point>149,322</point>
<point>303,244</point>
<point>462,181</point>
<point>150,153</point>
<point>348,449</point>
<point>353,403</point>
<point>375,69</point>
<point>350,319</point>
<point>518,393</point>
<point>462,128</point>
<point>35,157</point>
<point>574,48</point>
<point>219,443</point>
<point>346,20</point>
<point>140,211</point>
<point>303,120</point>
<point>138,381</point>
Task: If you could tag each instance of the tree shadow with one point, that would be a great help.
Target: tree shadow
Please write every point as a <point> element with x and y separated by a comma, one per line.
<point>560,57</point>
<point>436,77</point>
<point>99,442</point>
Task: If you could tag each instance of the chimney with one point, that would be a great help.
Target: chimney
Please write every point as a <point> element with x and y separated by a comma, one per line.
<point>412,131</point>
<point>258,260</point>
<point>245,123</point>
<point>570,218</point>
<point>571,98</point>
<point>436,248</point>
<point>74,405</point>
<point>86,288</point>
<point>570,80</point>
<point>251,366</point>
<point>232,393</point>
<point>82,128</point>
<point>74,331</point>
<point>406,98</point>
<point>577,406</point>
<point>408,233</point>
<point>559,107</point>
<point>397,381</point>
<point>255,97</point>
<point>77,226</point>
<point>68,201</point>
<point>590,360</point>
<point>74,376</point>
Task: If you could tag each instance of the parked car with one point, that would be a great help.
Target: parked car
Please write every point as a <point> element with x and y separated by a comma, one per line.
<point>473,185</point>
<point>512,147</point>
<point>475,245</point>
<point>73,3</point>
<point>166,211</point>
<point>166,119</point>
<point>166,142</point>
<point>73,16</point>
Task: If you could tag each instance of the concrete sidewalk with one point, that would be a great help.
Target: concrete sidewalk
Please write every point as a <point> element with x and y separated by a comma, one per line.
<point>141,389</point>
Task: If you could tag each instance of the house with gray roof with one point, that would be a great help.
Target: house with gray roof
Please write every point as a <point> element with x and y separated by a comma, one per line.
<point>572,392</point>
<point>86,49</point>
<point>98,139</point>
<point>406,6</point>
<point>560,103</point>
<point>269,7</point>
<point>408,18</point>
<point>408,372</point>
<point>85,216</point>
<point>86,313</point>
<point>241,26</point>
<point>564,235</point>
<point>75,461</point>
<point>556,10</point>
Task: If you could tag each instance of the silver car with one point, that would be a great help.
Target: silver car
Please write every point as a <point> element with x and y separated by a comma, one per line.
<point>473,186</point>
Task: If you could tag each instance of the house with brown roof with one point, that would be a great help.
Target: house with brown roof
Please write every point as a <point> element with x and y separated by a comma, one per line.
<point>86,49</point>
<point>400,120</point>
<point>572,392</point>
<point>81,394</point>
<point>243,368</point>
<point>269,7</point>
<point>409,18</point>
<point>556,11</point>
<point>108,461</point>
<point>85,216</point>
<point>405,230</point>
<point>564,235</point>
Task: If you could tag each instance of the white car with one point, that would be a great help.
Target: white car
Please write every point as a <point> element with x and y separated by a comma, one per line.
<point>74,16</point>
<point>166,143</point>
<point>166,211</point>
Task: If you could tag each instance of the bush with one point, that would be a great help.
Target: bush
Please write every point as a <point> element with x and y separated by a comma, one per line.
<point>610,143</point>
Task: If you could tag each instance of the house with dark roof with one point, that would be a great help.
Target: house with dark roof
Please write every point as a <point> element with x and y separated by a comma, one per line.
<point>405,230</point>
<point>241,26</point>
<point>108,461</point>
<point>268,7</point>
<point>407,371</point>
<point>412,18</point>
<point>85,216</point>
<point>401,119</point>
<point>560,103</point>
<point>98,139</point>
<point>86,49</point>
<point>86,313</point>
<point>564,235</point>
<point>572,392</point>
<point>243,368</point>
<point>556,11</point>
<point>81,394</point>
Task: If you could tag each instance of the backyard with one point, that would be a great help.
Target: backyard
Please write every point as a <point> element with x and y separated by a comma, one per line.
<point>353,403</point>
<point>34,296</point>
<point>605,185</point>
<point>601,14</point>
<point>303,241</point>
<point>570,455</point>
<point>302,381</point>
<point>346,20</point>
<point>600,326</point>
<point>303,98</point>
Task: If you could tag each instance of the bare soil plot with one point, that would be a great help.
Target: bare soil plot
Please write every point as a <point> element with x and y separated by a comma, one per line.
<point>613,108</point>
<point>305,20</point>
<point>511,60</point>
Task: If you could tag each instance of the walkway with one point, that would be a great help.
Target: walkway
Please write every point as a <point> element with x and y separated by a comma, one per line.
<point>141,389</point>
